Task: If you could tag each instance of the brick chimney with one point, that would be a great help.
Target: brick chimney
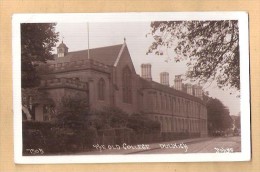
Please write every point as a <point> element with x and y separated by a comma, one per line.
<point>197,91</point>
<point>164,78</point>
<point>146,71</point>
<point>178,82</point>
<point>189,89</point>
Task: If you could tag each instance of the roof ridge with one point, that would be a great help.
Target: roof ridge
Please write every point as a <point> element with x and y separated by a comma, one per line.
<point>106,55</point>
<point>95,48</point>
<point>120,54</point>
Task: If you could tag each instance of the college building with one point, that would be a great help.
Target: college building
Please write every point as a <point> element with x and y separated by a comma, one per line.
<point>106,77</point>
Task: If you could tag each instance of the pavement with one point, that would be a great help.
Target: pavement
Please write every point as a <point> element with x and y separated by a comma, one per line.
<point>132,149</point>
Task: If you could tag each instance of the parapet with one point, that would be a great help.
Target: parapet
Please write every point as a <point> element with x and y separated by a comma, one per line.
<point>64,83</point>
<point>75,65</point>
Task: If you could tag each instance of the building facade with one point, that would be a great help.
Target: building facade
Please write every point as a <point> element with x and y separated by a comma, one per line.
<point>106,77</point>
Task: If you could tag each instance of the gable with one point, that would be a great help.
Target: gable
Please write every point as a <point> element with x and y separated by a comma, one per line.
<point>124,59</point>
<point>105,55</point>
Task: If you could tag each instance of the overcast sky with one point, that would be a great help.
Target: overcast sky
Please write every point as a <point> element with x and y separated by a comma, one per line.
<point>75,36</point>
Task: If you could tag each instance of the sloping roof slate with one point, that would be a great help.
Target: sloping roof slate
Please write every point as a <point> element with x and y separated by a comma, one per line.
<point>154,85</point>
<point>105,55</point>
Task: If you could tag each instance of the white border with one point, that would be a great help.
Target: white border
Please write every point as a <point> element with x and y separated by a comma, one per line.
<point>242,17</point>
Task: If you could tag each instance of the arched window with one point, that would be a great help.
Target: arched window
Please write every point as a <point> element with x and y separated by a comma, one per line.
<point>156,101</point>
<point>170,104</point>
<point>178,105</point>
<point>101,89</point>
<point>166,102</point>
<point>173,105</point>
<point>161,101</point>
<point>127,85</point>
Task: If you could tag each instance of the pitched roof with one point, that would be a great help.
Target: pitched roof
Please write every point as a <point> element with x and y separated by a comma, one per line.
<point>105,55</point>
<point>62,45</point>
<point>155,85</point>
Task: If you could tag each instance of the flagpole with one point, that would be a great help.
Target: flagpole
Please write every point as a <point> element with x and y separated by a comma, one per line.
<point>88,41</point>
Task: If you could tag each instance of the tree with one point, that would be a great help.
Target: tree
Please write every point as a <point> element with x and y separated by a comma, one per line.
<point>72,111</point>
<point>72,124</point>
<point>112,117</point>
<point>37,42</point>
<point>237,121</point>
<point>142,124</point>
<point>218,116</point>
<point>210,47</point>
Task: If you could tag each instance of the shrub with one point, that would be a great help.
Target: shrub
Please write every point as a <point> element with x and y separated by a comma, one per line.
<point>112,117</point>
<point>35,134</point>
<point>142,124</point>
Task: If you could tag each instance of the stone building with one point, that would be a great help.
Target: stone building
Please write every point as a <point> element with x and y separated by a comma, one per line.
<point>106,77</point>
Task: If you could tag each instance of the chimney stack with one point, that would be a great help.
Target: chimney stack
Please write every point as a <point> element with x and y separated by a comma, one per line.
<point>146,71</point>
<point>200,95</point>
<point>164,78</point>
<point>189,89</point>
<point>178,82</point>
<point>197,91</point>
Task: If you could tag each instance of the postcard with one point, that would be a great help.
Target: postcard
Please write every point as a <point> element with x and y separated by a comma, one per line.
<point>131,87</point>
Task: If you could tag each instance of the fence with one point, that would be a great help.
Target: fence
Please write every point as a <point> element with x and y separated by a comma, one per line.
<point>58,140</point>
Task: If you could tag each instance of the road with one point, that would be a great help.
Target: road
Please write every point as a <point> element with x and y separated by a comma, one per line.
<point>197,145</point>
<point>210,145</point>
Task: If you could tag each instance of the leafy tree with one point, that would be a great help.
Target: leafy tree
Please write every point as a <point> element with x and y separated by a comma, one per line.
<point>37,42</point>
<point>72,123</point>
<point>218,116</point>
<point>112,117</point>
<point>72,111</point>
<point>237,121</point>
<point>211,48</point>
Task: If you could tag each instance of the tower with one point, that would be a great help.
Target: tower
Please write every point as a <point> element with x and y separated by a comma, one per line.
<point>146,71</point>
<point>62,50</point>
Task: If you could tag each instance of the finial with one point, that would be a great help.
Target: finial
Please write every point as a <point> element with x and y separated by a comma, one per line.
<point>124,40</point>
<point>62,39</point>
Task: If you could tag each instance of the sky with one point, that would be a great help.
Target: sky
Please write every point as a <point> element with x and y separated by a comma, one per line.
<point>75,36</point>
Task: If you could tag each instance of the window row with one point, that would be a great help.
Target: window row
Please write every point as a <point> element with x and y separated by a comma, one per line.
<point>179,105</point>
<point>169,124</point>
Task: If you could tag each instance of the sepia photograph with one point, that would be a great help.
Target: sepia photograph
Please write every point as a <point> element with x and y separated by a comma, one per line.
<point>140,87</point>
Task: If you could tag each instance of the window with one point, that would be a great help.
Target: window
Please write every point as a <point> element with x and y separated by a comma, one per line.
<point>173,125</point>
<point>101,89</point>
<point>178,105</point>
<point>161,101</point>
<point>181,106</point>
<point>173,105</point>
<point>156,101</point>
<point>60,54</point>
<point>170,104</point>
<point>46,111</point>
<point>166,102</point>
<point>127,85</point>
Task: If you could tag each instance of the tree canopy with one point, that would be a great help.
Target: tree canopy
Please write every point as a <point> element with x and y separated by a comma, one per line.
<point>211,48</point>
<point>142,124</point>
<point>112,117</point>
<point>72,110</point>
<point>218,116</point>
<point>37,42</point>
